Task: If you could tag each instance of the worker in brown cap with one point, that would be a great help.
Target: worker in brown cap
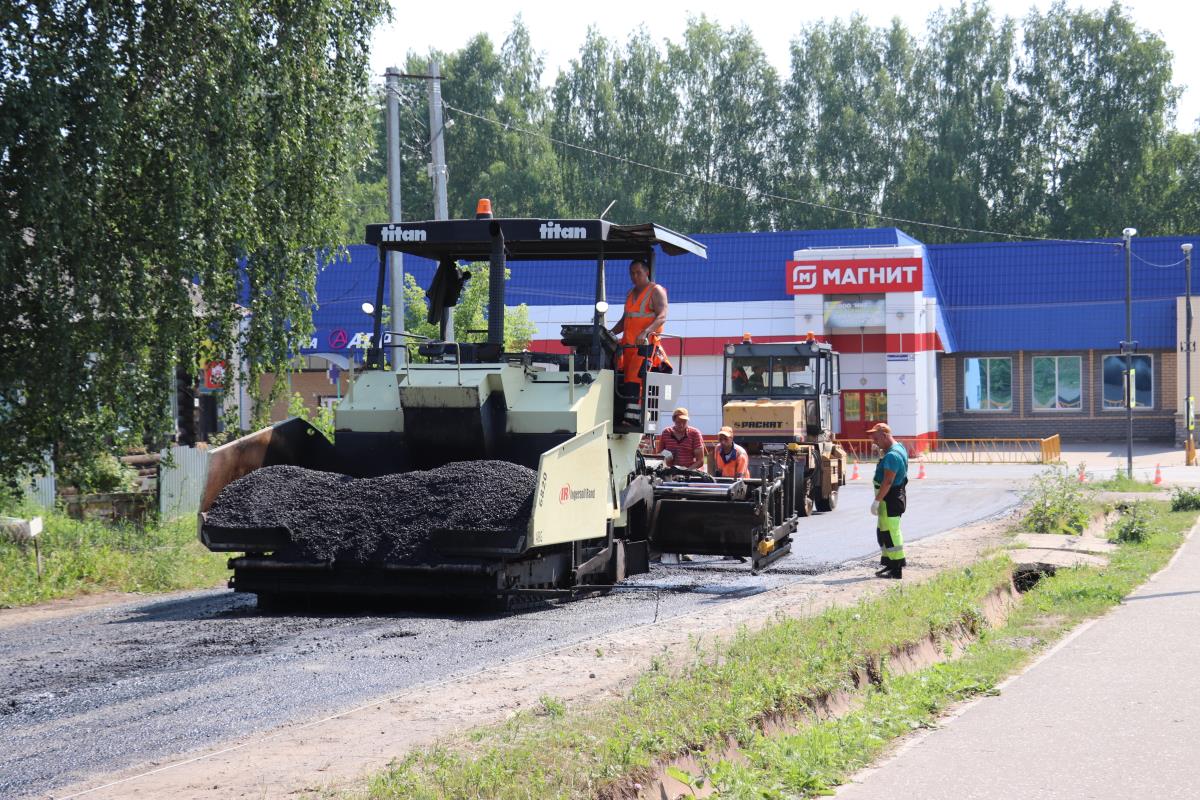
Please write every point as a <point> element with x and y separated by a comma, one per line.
<point>681,445</point>
<point>890,500</point>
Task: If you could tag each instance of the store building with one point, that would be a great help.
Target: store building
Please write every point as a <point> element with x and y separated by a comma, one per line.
<point>976,340</point>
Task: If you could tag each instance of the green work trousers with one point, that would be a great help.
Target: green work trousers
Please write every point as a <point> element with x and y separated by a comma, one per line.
<point>891,541</point>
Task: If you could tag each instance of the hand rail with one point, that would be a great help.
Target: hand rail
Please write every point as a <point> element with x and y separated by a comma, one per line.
<point>965,451</point>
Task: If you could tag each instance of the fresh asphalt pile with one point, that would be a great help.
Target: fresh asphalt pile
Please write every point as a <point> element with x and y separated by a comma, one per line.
<point>388,519</point>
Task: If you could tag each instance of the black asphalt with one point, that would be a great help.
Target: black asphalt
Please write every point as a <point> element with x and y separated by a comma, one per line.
<point>374,520</point>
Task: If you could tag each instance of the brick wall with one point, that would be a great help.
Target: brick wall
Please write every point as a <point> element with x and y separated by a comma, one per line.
<point>312,384</point>
<point>1091,423</point>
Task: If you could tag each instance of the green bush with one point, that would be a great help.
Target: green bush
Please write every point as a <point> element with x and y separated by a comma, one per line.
<point>1057,504</point>
<point>1185,499</point>
<point>101,475</point>
<point>1137,524</point>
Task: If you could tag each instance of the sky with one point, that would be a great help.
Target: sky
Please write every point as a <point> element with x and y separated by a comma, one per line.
<point>558,29</point>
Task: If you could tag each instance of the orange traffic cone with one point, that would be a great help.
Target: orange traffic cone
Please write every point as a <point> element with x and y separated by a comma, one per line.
<point>1157,475</point>
<point>1082,474</point>
<point>921,474</point>
<point>854,475</point>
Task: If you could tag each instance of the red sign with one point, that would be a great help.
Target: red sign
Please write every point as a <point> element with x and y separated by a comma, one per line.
<point>564,494</point>
<point>854,276</point>
<point>214,377</point>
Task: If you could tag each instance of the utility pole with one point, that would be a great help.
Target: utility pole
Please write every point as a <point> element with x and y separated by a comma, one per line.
<point>1127,346</point>
<point>1189,403</point>
<point>395,259</point>
<point>437,169</point>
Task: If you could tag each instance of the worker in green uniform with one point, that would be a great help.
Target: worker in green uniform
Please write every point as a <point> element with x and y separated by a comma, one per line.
<point>890,500</point>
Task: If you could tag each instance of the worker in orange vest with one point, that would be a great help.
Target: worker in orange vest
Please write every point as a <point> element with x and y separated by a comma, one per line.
<point>643,320</point>
<point>730,459</point>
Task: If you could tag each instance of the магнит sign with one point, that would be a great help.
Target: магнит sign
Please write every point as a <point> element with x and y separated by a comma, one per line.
<point>857,276</point>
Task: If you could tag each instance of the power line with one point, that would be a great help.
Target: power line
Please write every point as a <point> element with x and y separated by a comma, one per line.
<point>771,195</point>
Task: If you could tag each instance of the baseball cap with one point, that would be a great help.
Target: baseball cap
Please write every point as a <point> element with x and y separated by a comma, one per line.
<point>680,412</point>
<point>726,431</point>
<point>881,427</point>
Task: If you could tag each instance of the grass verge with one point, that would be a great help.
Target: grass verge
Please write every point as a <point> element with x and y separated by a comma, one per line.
<point>1123,483</point>
<point>560,753</point>
<point>85,557</point>
<point>822,755</point>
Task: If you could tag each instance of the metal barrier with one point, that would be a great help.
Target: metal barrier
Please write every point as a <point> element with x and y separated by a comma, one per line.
<point>966,451</point>
<point>181,481</point>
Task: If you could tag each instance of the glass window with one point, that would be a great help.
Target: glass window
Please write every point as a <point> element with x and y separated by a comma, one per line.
<point>791,374</point>
<point>1114,381</point>
<point>876,403</point>
<point>851,408</point>
<point>747,375</point>
<point>987,384</point>
<point>1057,383</point>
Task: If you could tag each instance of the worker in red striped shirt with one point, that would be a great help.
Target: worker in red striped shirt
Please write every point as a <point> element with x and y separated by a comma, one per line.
<point>682,445</point>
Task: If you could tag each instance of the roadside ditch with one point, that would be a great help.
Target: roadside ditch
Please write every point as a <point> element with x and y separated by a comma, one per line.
<point>795,707</point>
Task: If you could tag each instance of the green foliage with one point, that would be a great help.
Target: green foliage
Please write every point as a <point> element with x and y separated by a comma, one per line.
<point>1058,504</point>
<point>470,315</point>
<point>85,557</point>
<point>1136,524</point>
<point>1057,124</point>
<point>1185,499</point>
<point>100,474</point>
<point>146,148</point>
<point>322,419</point>
<point>1120,482</point>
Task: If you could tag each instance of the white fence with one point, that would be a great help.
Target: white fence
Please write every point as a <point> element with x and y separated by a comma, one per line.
<point>181,482</point>
<point>41,491</point>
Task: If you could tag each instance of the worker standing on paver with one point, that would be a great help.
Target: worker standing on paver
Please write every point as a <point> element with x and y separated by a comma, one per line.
<point>890,500</point>
<point>640,326</point>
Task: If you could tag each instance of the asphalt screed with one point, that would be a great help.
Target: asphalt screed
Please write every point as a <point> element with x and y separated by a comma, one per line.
<point>388,519</point>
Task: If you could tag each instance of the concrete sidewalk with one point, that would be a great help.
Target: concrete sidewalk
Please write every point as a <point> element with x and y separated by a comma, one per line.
<point>1112,712</point>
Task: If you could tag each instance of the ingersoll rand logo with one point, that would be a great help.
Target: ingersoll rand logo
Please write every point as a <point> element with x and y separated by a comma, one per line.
<point>567,494</point>
<point>392,233</point>
<point>552,230</point>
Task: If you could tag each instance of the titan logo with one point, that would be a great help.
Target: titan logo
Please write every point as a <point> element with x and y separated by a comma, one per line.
<point>394,234</point>
<point>552,230</point>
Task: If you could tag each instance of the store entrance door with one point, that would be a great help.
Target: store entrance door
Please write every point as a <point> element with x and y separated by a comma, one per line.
<point>861,409</point>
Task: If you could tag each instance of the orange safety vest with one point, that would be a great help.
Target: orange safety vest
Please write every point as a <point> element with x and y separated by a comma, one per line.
<point>738,466</point>
<point>638,316</point>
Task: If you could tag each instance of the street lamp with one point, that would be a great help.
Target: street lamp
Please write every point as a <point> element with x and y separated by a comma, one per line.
<point>1127,346</point>
<point>1189,402</point>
